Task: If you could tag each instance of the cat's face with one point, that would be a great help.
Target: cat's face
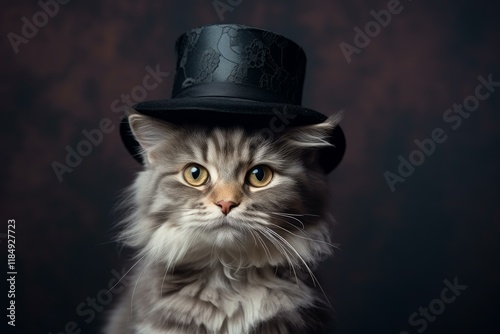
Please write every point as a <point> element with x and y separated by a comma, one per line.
<point>233,192</point>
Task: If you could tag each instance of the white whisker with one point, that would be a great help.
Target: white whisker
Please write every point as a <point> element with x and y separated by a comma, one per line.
<point>124,275</point>
<point>135,286</point>
<point>315,280</point>
<point>288,216</point>
<point>301,237</point>
<point>282,250</point>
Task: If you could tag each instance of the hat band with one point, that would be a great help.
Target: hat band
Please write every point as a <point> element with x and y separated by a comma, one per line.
<point>231,90</point>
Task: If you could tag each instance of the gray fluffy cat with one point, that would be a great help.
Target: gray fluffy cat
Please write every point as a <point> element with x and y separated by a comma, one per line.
<point>227,224</point>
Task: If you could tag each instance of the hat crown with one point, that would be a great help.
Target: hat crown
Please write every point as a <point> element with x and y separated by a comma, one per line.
<point>236,61</point>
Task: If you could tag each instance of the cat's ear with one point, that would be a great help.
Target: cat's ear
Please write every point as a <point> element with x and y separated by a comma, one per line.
<point>313,136</point>
<point>308,140</point>
<point>149,132</point>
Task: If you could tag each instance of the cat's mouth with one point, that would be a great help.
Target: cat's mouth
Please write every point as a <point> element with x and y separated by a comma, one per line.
<point>224,224</point>
<point>224,232</point>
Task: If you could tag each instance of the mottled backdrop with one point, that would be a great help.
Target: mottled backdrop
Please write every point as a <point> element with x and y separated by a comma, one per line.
<point>401,240</point>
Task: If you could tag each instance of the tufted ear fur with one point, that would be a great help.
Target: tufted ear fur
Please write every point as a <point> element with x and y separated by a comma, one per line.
<point>150,132</point>
<point>313,136</point>
<point>308,140</point>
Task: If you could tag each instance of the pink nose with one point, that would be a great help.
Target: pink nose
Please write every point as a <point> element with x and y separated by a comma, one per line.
<point>226,206</point>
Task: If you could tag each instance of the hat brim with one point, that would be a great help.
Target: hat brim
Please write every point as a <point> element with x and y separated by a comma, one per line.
<point>236,112</point>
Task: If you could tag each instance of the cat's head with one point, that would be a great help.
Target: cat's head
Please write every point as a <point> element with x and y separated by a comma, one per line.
<point>229,194</point>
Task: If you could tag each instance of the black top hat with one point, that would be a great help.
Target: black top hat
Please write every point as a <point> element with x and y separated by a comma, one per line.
<point>234,74</point>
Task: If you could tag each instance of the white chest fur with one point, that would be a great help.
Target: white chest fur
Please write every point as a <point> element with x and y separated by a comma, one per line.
<point>219,301</point>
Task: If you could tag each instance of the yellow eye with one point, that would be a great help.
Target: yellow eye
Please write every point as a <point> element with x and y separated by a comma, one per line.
<point>195,175</point>
<point>259,176</point>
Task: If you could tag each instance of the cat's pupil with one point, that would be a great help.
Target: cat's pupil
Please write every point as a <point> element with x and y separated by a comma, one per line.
<point>259,173</point>
<point>195,172</point>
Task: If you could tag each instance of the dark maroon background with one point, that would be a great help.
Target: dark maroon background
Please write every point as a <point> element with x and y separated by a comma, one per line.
<point>397,247</point>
